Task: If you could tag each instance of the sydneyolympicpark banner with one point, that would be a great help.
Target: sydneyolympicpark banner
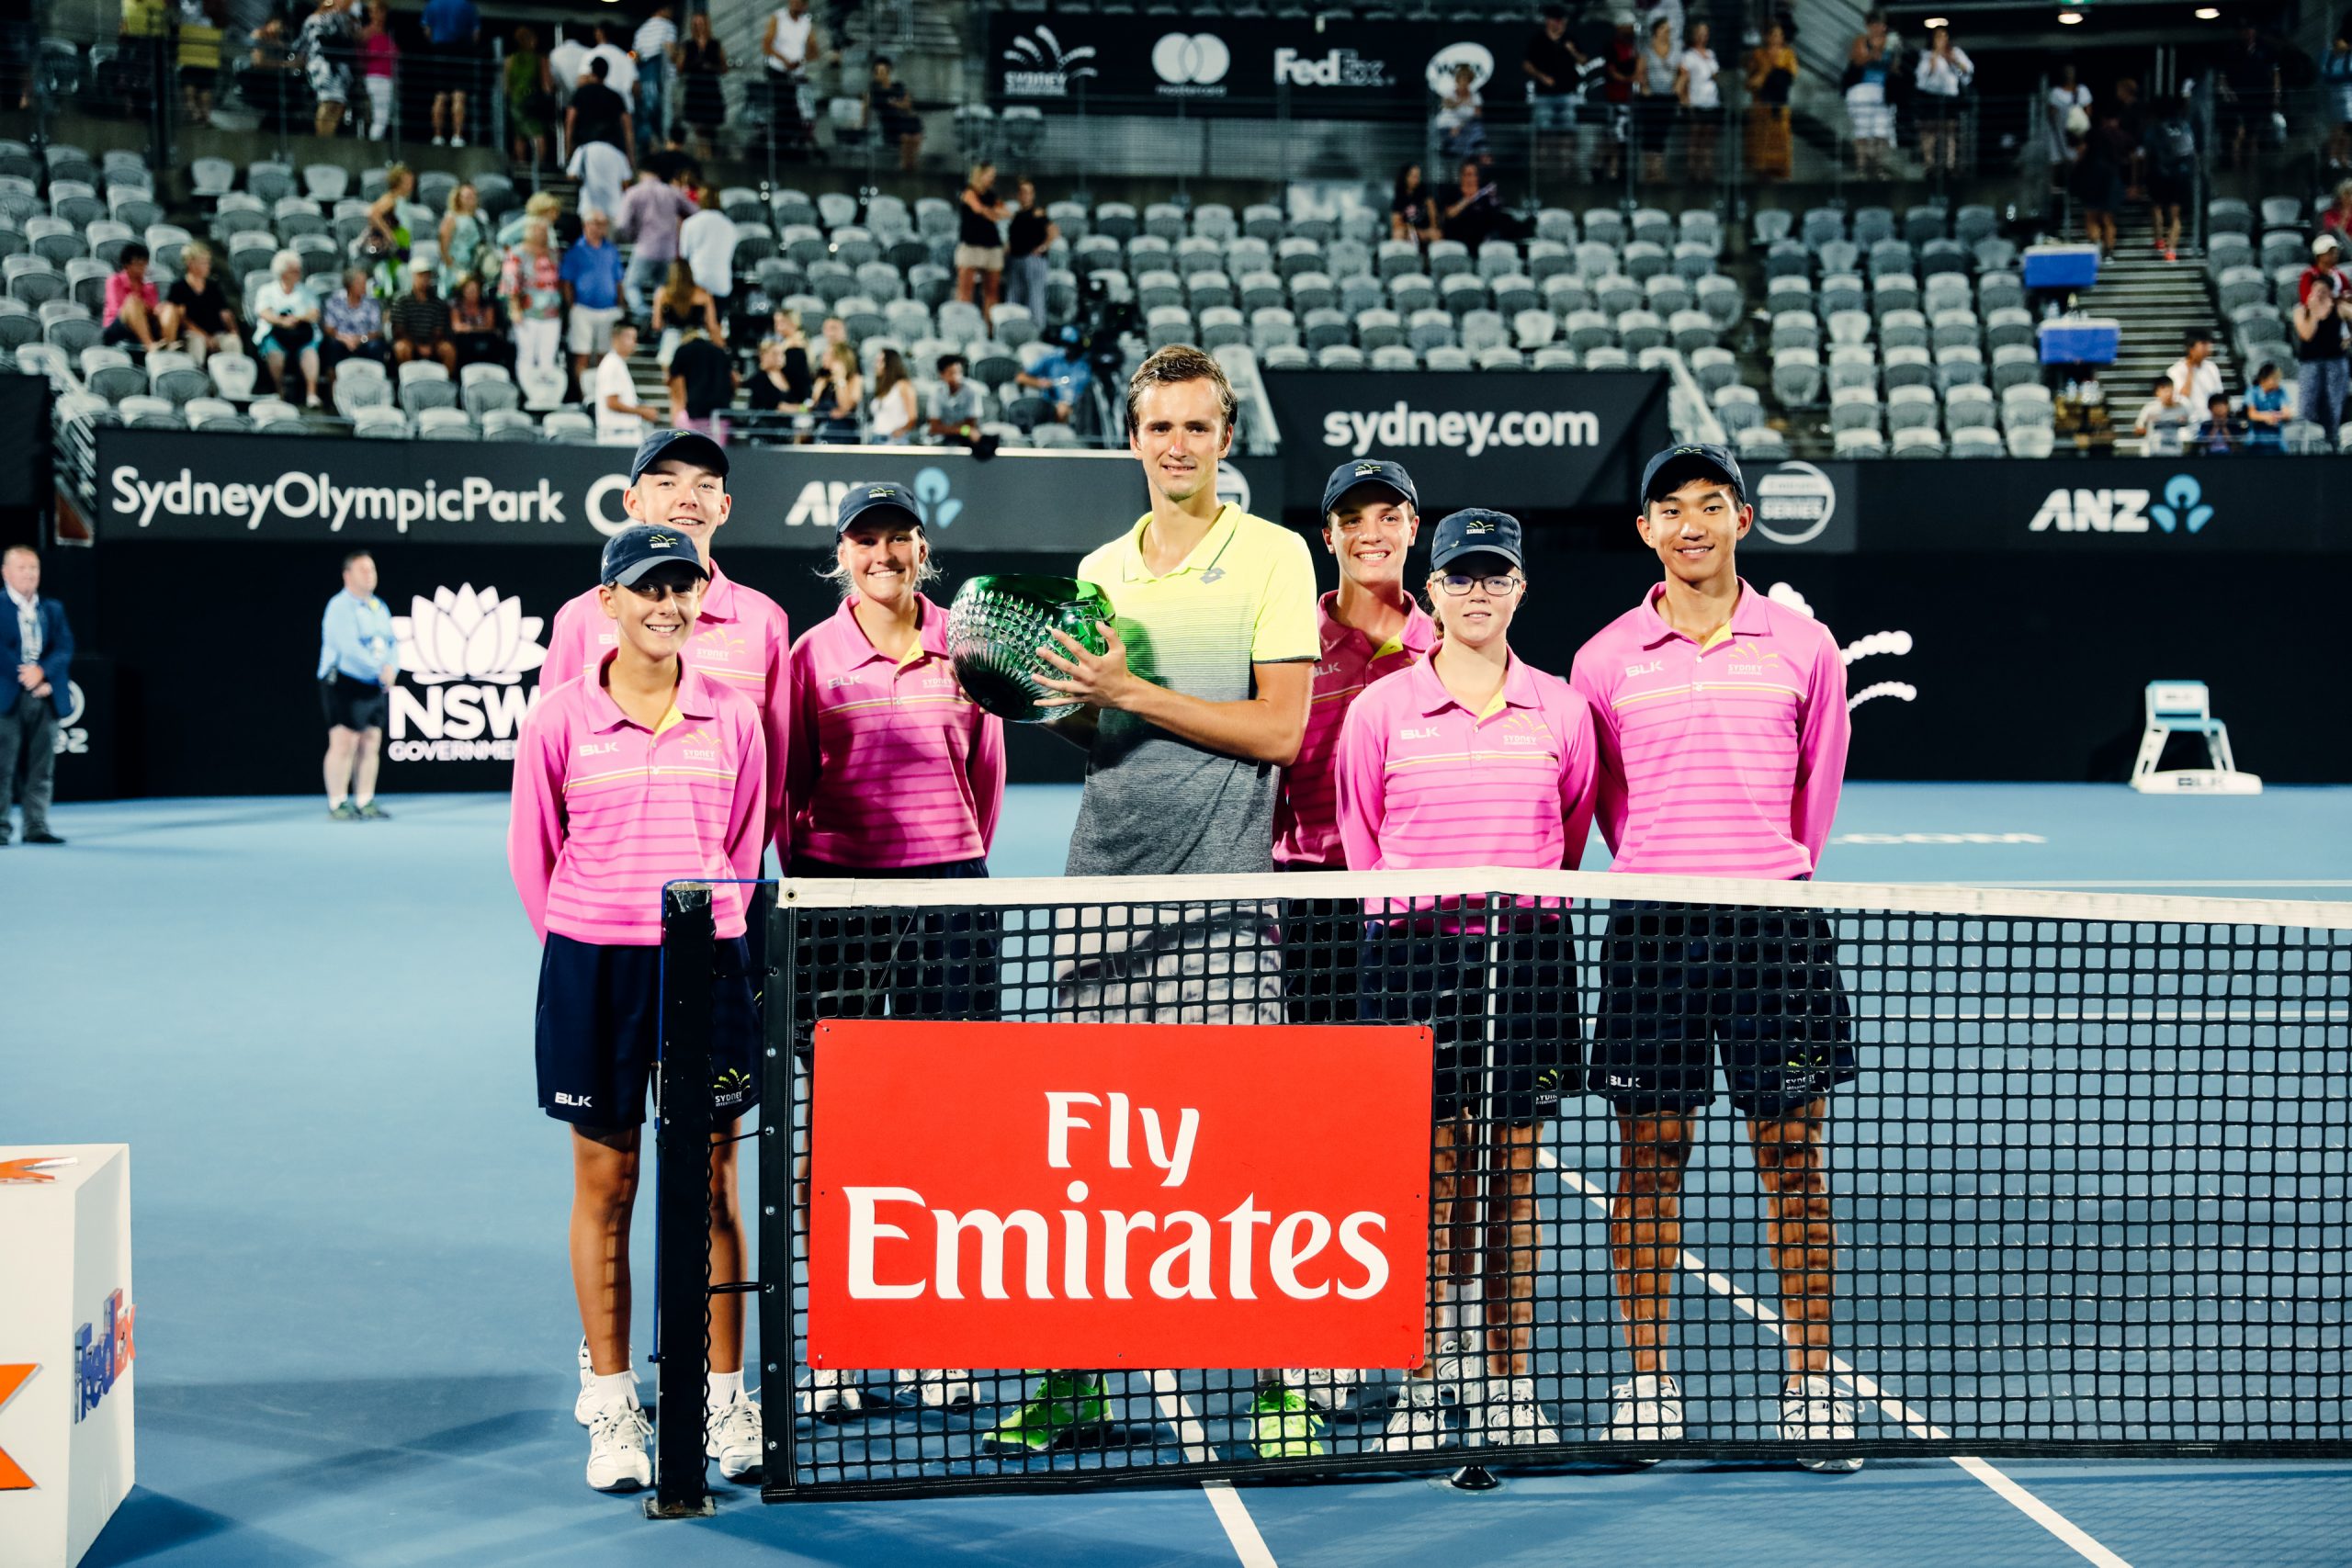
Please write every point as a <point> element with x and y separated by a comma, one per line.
<point>170,485</point>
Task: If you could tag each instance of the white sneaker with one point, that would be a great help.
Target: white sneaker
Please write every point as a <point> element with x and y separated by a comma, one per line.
<point>1812,1413</point>
<point>731,1435</point>
<point>1510,1417</point>
<point>440,141</point>
<point>1456,1365</point>
<point>457,142</point>
<point>584,1409</point>
<point>832,1396</point>
<point>1418,1424</point>
<point>948,1388</point>
<point>1326,1387</point>
<point>616,1458</point>
<point>1648,1409</point>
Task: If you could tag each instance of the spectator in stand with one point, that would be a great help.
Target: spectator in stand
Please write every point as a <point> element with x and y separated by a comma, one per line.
<point>2194,375</point>
<point>602,170</point>
<point>2335,78</point>
<point>461,236</point>
<point>955,406</point>
<point>199,56</point>
<point>287,322</point>
<point>267,75</point>
<point>2132,115</point>
<point>1063,376</point>
<point>2326,256</point>
<point>530,99</point>
<point>889,103</point>
<point>1655,100</point>
<point>133,316</point>
<point>532,284</point>
<point>2163,420</point>
<point>772,389</point>
<point>568,63</point>
<point>477,328</point>
<point>650,216</point>
<point>897,411</point>
<point>672,162</point>
<point>2266,411</point>
<point>419,320</point>
<point>1648,13</point>
<point>2337,219</point>
<point>2097,179</point>
<point>706,243</point>
<point>38,645</point>
<point>1619,71</point>
<point>620,71</point>
<point>1771,74</point>
<point>2172,172</point>
<point>1460,118</point>
<point>1475,215</point>
<point>379,58</point>
<point>792,346</point>
<point>2217,433</point>
<point>701,385</point>
<point>590,272</point>
<point>1870,102</point>
<point>453,31</point>
<point>385,241</point>
<point>2321,322</point>
<point>2250,93</point>
<point>197,313</point>
<point>788,45</point>
<point>353,326</point>
<point>621,420</point>
<point>1945,70</point>
<point>839,394</point>
<point>702,77</point>
<point>1552,64</point>
<point>1028,237</point>
<point>1412,210</point>
<point>597,112</point>
<point>682,305</point>
<point>1702,98</point>
<point>2067,98</point>
<point>980,245</point>
<point>655,47</point>
<point>328,47</point>
<point>544,206</point>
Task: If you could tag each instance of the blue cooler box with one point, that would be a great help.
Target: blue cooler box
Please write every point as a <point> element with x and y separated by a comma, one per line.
<point>2080,340</point>
<point>2061,267</point>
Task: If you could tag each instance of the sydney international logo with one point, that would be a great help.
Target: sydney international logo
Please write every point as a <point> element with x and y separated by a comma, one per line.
<point>1038,66</point>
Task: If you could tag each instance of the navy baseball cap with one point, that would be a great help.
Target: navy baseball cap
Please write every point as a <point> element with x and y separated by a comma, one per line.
<point>1369,471</point>
<point>864,501</point>
<point>686,445</point>
<point>1677,466</point>
<point>641,546</point>
<point>1476,531</point>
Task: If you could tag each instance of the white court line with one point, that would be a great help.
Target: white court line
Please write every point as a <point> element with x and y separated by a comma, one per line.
<point>2152,882</point>
<point>2003,1486</point>
<point>1240,1530</point>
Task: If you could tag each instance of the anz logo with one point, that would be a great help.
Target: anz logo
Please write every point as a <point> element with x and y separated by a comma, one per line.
<point>2182,510</point>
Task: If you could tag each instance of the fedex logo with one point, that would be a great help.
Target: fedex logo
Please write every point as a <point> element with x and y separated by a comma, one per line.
<point>102,1353</point>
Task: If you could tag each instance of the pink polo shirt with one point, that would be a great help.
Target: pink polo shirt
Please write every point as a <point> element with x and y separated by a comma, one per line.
<point>1306,819</point>
<point>1722,760</point>
<point>605,810</point>
<point>119,288</point>
<point>740,638</point>
<point>1424,782</point>
<point>892,765</point>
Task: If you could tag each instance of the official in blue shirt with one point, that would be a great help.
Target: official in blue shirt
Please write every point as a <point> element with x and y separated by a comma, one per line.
<point>1063,376</point>
<point>453,28</point>
<point>37,649</point>
<point>357,669</point>
<point>590,272</point>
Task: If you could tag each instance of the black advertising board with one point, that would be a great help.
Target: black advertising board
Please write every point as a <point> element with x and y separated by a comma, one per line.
<point>154,485</point>
<point>1324,67</point>
<point>1531,443</point>
<point>24,418</point>
<point>1808,507</point>
<point>2105,507</point>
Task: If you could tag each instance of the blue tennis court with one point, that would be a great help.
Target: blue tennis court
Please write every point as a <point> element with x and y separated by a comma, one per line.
<point>355,1326</point>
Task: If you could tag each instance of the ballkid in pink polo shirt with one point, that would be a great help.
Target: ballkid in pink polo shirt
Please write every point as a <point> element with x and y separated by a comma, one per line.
<point>1475,759</point>
<point>1723,727</point>
<point>742,640</point>
<point>893,767</point>
<point>640,773</point>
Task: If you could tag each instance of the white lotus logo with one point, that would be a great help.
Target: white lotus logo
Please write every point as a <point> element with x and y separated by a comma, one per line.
<point>461,635</point>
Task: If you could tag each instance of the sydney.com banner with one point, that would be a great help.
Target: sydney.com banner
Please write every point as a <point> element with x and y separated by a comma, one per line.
<point>174,485</point>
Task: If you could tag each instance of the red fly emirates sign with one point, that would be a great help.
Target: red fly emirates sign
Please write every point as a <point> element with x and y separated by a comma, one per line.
<point>1118,1195</point>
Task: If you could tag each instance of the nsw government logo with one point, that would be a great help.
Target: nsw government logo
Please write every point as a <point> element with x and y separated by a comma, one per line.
<point>468,651</point>
<point>1038,66</point>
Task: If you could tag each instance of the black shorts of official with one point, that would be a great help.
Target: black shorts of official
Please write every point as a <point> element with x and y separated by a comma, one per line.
<point>353,705</point>
<point>1501,1007</point>
<point>1321,953</point>
<point>599,1031</point>
<point>1685,987</point>
<point>892,963</point>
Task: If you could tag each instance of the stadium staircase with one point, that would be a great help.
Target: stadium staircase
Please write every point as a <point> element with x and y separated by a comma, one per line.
<point>2155,301</point>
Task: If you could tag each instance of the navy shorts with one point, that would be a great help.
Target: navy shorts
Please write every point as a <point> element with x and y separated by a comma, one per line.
<point>893,962</point>
<point>1684,986</point>
<point>599,1031</point>
<point>1516,989</point>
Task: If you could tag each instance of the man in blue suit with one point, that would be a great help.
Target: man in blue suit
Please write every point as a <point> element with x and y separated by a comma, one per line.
<point>37,645</point>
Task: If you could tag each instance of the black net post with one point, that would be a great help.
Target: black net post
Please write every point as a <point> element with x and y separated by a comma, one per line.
<point>681,1204</point>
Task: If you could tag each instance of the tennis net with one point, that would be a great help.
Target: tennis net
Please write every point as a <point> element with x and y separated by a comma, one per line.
<point>1862,1170</point>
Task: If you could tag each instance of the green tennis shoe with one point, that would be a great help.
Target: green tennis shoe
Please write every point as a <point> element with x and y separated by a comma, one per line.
<point>1284,1425</point>
<point>1067,1409</point>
